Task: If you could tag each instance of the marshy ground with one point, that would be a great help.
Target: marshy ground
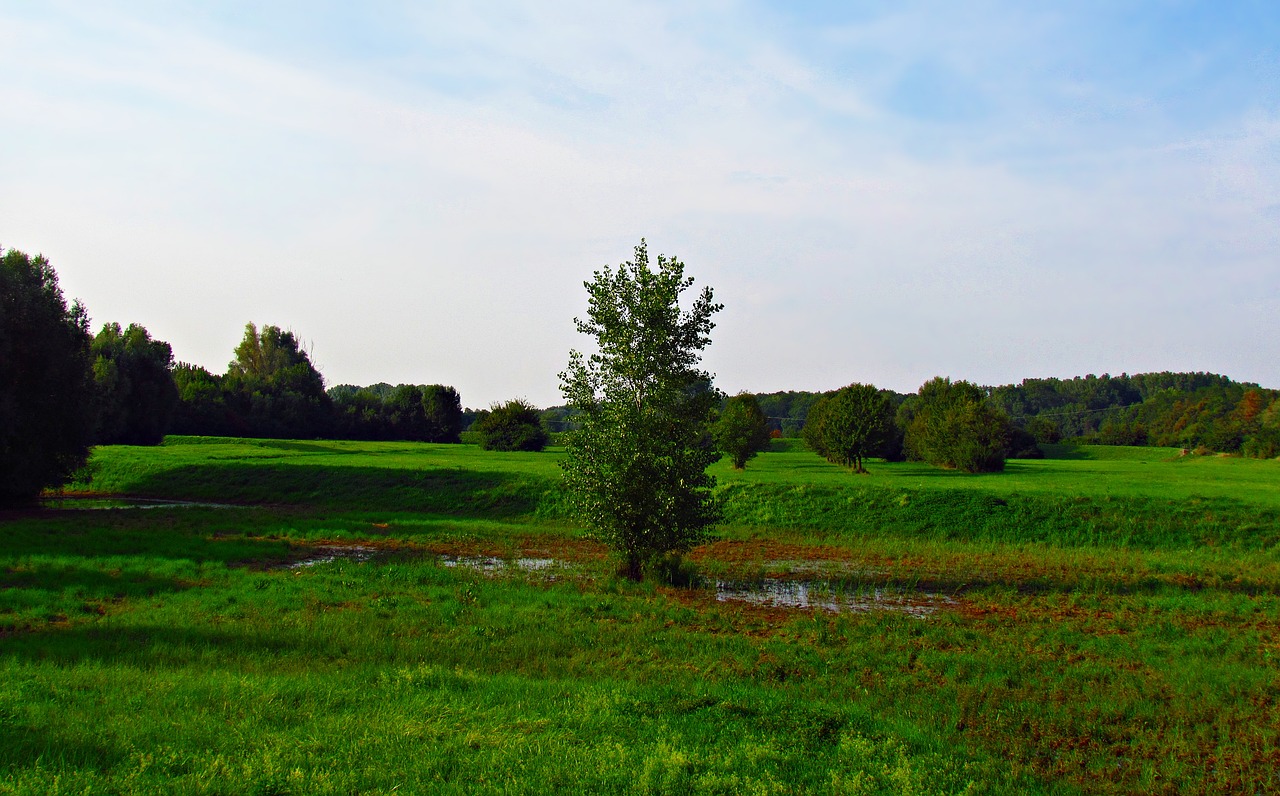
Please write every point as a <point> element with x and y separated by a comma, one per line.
<point>399,618</point>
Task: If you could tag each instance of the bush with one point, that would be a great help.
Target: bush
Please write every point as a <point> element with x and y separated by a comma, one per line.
<point>952,426</point>
<point>1023,444</point>
<point>1265,444</point>
<point>513,426</point>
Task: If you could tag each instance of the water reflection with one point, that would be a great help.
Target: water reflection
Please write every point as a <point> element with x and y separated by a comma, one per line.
<point>328,553</point>
<point>492,564</point>
<point>101,503</point>
<point>820,595</point>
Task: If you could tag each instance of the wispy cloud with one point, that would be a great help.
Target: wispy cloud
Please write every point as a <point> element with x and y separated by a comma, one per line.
<point>986,194</point>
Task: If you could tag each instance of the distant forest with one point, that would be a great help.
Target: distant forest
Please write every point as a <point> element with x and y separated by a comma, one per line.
<point>271,389</point>
<point>1185,410</point>
<point>66,389</point>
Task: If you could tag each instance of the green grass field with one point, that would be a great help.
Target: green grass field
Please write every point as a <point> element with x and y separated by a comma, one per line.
<point>393,617</point>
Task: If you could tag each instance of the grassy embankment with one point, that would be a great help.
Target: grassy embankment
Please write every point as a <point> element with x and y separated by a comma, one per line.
<point>1115,629</point>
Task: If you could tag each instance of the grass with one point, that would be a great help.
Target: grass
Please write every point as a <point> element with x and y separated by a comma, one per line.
<point>1116,629</point>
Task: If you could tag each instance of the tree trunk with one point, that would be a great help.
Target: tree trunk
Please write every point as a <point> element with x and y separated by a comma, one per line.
<point>633,569</point>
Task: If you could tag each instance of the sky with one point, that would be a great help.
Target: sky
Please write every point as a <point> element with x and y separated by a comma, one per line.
<point>878,192</point>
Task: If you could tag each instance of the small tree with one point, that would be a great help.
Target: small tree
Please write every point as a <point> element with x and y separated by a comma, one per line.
<point>850,425</point>
<point>513,426</point>
<point>741,431</point>
<point>636,467</point>
<point>46,386</point>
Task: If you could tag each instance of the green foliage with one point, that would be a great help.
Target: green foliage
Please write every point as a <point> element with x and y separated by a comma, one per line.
<point>513,426</point>
<point>740,431</point>
<point>1043,430</point>
<point>850,425</point>
<point>420,413</point>
<point>442,410</point>
<point>137,394</point>
<point>636,468</point>
<point>274,388</point>
<point>202,404</point>
<point>787,411</point>
<point>952,426</point>
<point>1187,410</point>
<point>46,385</point>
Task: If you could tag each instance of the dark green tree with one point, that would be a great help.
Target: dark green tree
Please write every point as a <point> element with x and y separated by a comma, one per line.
<point>137,395</point>
<point>358,413</point>
<point>275,388</point>
<point>404,415</point>
<point>442,410</point>
<point>46,385</point>
<point>202,405</point>
<point>636,468</point>
<point>1044,430</point>
<point>952,426</point>
<point>513,426</point>
<point>741,430</point>
<point>850,425</point>
<point>812,430</point>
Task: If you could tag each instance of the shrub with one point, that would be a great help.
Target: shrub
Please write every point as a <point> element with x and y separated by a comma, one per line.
<point>952,426</point>
<point>513,426</point>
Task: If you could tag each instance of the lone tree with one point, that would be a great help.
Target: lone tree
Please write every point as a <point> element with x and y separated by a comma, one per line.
<point>513,426</point>
<point>636,467</point>
<point>741,431</point>
<point>850,425</point>
<point>46,385</point>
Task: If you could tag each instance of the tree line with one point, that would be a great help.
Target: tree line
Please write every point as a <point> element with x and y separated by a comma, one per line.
<point>65,390</point>
<point>1203,411</point>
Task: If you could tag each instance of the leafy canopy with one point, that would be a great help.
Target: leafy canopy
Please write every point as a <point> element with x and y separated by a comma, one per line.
<point>274,388</point>
<point>741,431</point>
<point>137,394</point>
<point>46,385</point>
<point>513,426</point>
<point>850,425</point>
<point>954,427</point>
<point>636,467</point>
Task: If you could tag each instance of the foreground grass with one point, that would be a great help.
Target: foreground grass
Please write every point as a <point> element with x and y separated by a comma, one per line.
<point>170,650</point>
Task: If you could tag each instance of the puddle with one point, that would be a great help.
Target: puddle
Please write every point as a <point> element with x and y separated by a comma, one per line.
<point>328,553</point>
<point>492,564</point>
<point>828,568</point>
<point>784,593</point>
<point>96,504</point>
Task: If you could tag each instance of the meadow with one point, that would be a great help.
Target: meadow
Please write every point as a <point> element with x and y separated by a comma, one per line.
<point>340,617</point>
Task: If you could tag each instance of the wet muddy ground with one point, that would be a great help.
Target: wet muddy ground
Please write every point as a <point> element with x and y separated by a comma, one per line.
<point>800,583</point>
<point>118,503</point>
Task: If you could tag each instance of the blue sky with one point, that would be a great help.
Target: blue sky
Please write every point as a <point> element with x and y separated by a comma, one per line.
<point>878,192</point>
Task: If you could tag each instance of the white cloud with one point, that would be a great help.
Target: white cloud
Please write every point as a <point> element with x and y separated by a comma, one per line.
<point>429,213</point>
